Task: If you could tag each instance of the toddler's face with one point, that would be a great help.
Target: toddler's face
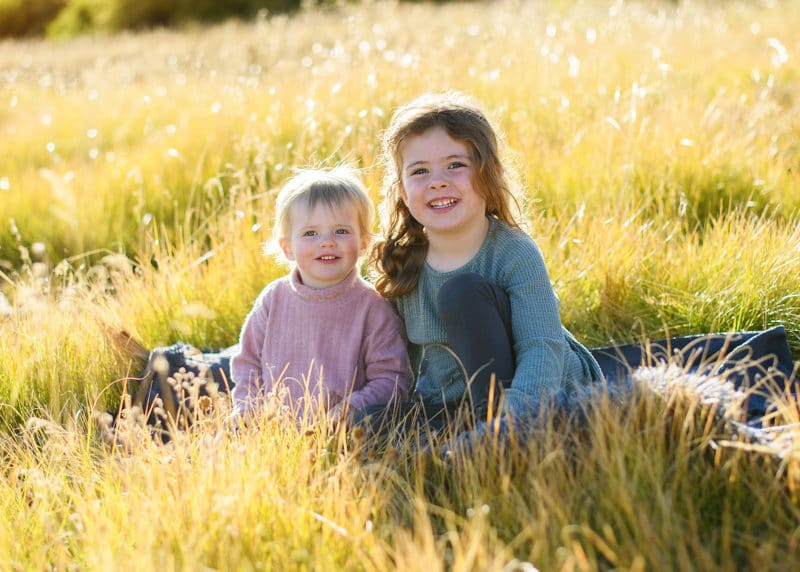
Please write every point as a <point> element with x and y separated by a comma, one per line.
<point>325,242</point>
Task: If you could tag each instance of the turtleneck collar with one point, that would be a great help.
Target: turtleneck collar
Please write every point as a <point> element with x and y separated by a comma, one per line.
<point>322,294</point>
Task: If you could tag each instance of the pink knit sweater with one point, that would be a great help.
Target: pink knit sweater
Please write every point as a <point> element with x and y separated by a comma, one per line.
<point>320,346</point>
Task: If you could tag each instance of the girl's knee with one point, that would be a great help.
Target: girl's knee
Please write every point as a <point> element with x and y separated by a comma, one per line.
<point>460,292</point>
<point>471,292</point>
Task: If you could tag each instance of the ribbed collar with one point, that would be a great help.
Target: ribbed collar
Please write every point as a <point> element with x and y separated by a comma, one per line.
<point>310,294</point>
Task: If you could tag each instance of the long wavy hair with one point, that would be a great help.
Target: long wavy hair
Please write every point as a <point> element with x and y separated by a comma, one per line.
<point>397,258</point>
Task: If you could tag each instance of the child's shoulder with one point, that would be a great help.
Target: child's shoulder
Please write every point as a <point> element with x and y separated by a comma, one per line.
<point>284,281</point>
<point>366,288</point>
<point>276,287</point>
<point>368,295</point>
<point>378,312</point>
<point>512,240</point>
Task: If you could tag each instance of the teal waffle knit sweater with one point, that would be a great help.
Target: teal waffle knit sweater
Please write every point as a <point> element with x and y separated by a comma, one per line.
<point>548,357</point>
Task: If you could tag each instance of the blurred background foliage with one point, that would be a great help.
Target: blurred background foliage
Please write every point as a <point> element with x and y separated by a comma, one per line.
<point>66,18</point>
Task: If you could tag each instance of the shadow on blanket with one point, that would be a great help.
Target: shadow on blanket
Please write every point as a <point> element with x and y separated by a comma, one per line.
<point>756,364</point>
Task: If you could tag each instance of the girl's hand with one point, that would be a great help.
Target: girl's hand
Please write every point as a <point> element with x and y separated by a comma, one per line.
<point>233,423</point>
<point>230,427</point>
<point>337,416</point>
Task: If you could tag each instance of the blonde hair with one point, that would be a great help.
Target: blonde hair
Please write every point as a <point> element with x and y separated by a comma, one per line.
<point>398,257</point>
<point>330,187</point>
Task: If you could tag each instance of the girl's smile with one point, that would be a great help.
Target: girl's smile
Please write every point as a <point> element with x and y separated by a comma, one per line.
<point>442,203</point>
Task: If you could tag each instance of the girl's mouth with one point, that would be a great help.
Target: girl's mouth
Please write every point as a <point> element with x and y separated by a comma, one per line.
<point>442,203</point>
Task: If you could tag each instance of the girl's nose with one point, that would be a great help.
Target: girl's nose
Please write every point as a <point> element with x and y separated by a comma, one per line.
<point>328,239</point>
<point>437,181</point>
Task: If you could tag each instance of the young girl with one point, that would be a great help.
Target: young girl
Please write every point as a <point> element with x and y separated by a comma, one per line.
<point>321,337</point>
<point>480,313</point>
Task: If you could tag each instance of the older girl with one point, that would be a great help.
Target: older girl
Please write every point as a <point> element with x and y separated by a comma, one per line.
<point>480,312</point>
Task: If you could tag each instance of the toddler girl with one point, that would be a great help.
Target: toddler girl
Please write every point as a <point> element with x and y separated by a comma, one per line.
<point>321,338</point>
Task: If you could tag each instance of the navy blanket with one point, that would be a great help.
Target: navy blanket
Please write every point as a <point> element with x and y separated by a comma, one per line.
<point>758,362</point>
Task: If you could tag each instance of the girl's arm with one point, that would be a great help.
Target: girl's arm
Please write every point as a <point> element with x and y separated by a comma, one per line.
<point>388,375</point>
<point>246,365</point>
<point>538,336</point>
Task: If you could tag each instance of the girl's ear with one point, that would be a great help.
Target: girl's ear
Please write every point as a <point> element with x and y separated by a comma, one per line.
<point>286,247</point>
<point>401,192</point>
<point>366,240</point>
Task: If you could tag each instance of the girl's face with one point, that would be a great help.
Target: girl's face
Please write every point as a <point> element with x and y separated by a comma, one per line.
<point>325,242</point>
<point>436,184</point>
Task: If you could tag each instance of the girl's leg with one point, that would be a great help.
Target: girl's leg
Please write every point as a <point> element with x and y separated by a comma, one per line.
<point>477,317</point>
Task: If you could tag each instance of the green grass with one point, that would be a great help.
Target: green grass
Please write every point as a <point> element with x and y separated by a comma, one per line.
<point>655,143</point>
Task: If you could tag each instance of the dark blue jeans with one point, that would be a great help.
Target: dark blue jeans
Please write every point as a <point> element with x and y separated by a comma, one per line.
<point>477,318</point>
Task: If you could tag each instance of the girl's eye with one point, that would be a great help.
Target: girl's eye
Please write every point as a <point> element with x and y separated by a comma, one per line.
<point>419,171</point>
<point>342,231</point>
<point>310,233</point>
<point>457,165</point>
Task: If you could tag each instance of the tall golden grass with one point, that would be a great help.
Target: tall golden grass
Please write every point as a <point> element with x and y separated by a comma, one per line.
<point>656,143</point>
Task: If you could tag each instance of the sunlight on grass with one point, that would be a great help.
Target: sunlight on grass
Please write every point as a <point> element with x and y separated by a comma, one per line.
<point>656,147</point>
<point>278,496</point>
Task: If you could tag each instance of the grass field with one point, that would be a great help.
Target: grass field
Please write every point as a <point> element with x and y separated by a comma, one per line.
<point>657,145</point>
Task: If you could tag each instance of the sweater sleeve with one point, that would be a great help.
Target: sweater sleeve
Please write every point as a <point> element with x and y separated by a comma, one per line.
<point>246,368</point>
<point>388,375</point>
<point>539,343</point>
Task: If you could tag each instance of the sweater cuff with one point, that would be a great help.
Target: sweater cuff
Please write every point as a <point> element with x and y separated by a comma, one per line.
<point>518,404</point>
